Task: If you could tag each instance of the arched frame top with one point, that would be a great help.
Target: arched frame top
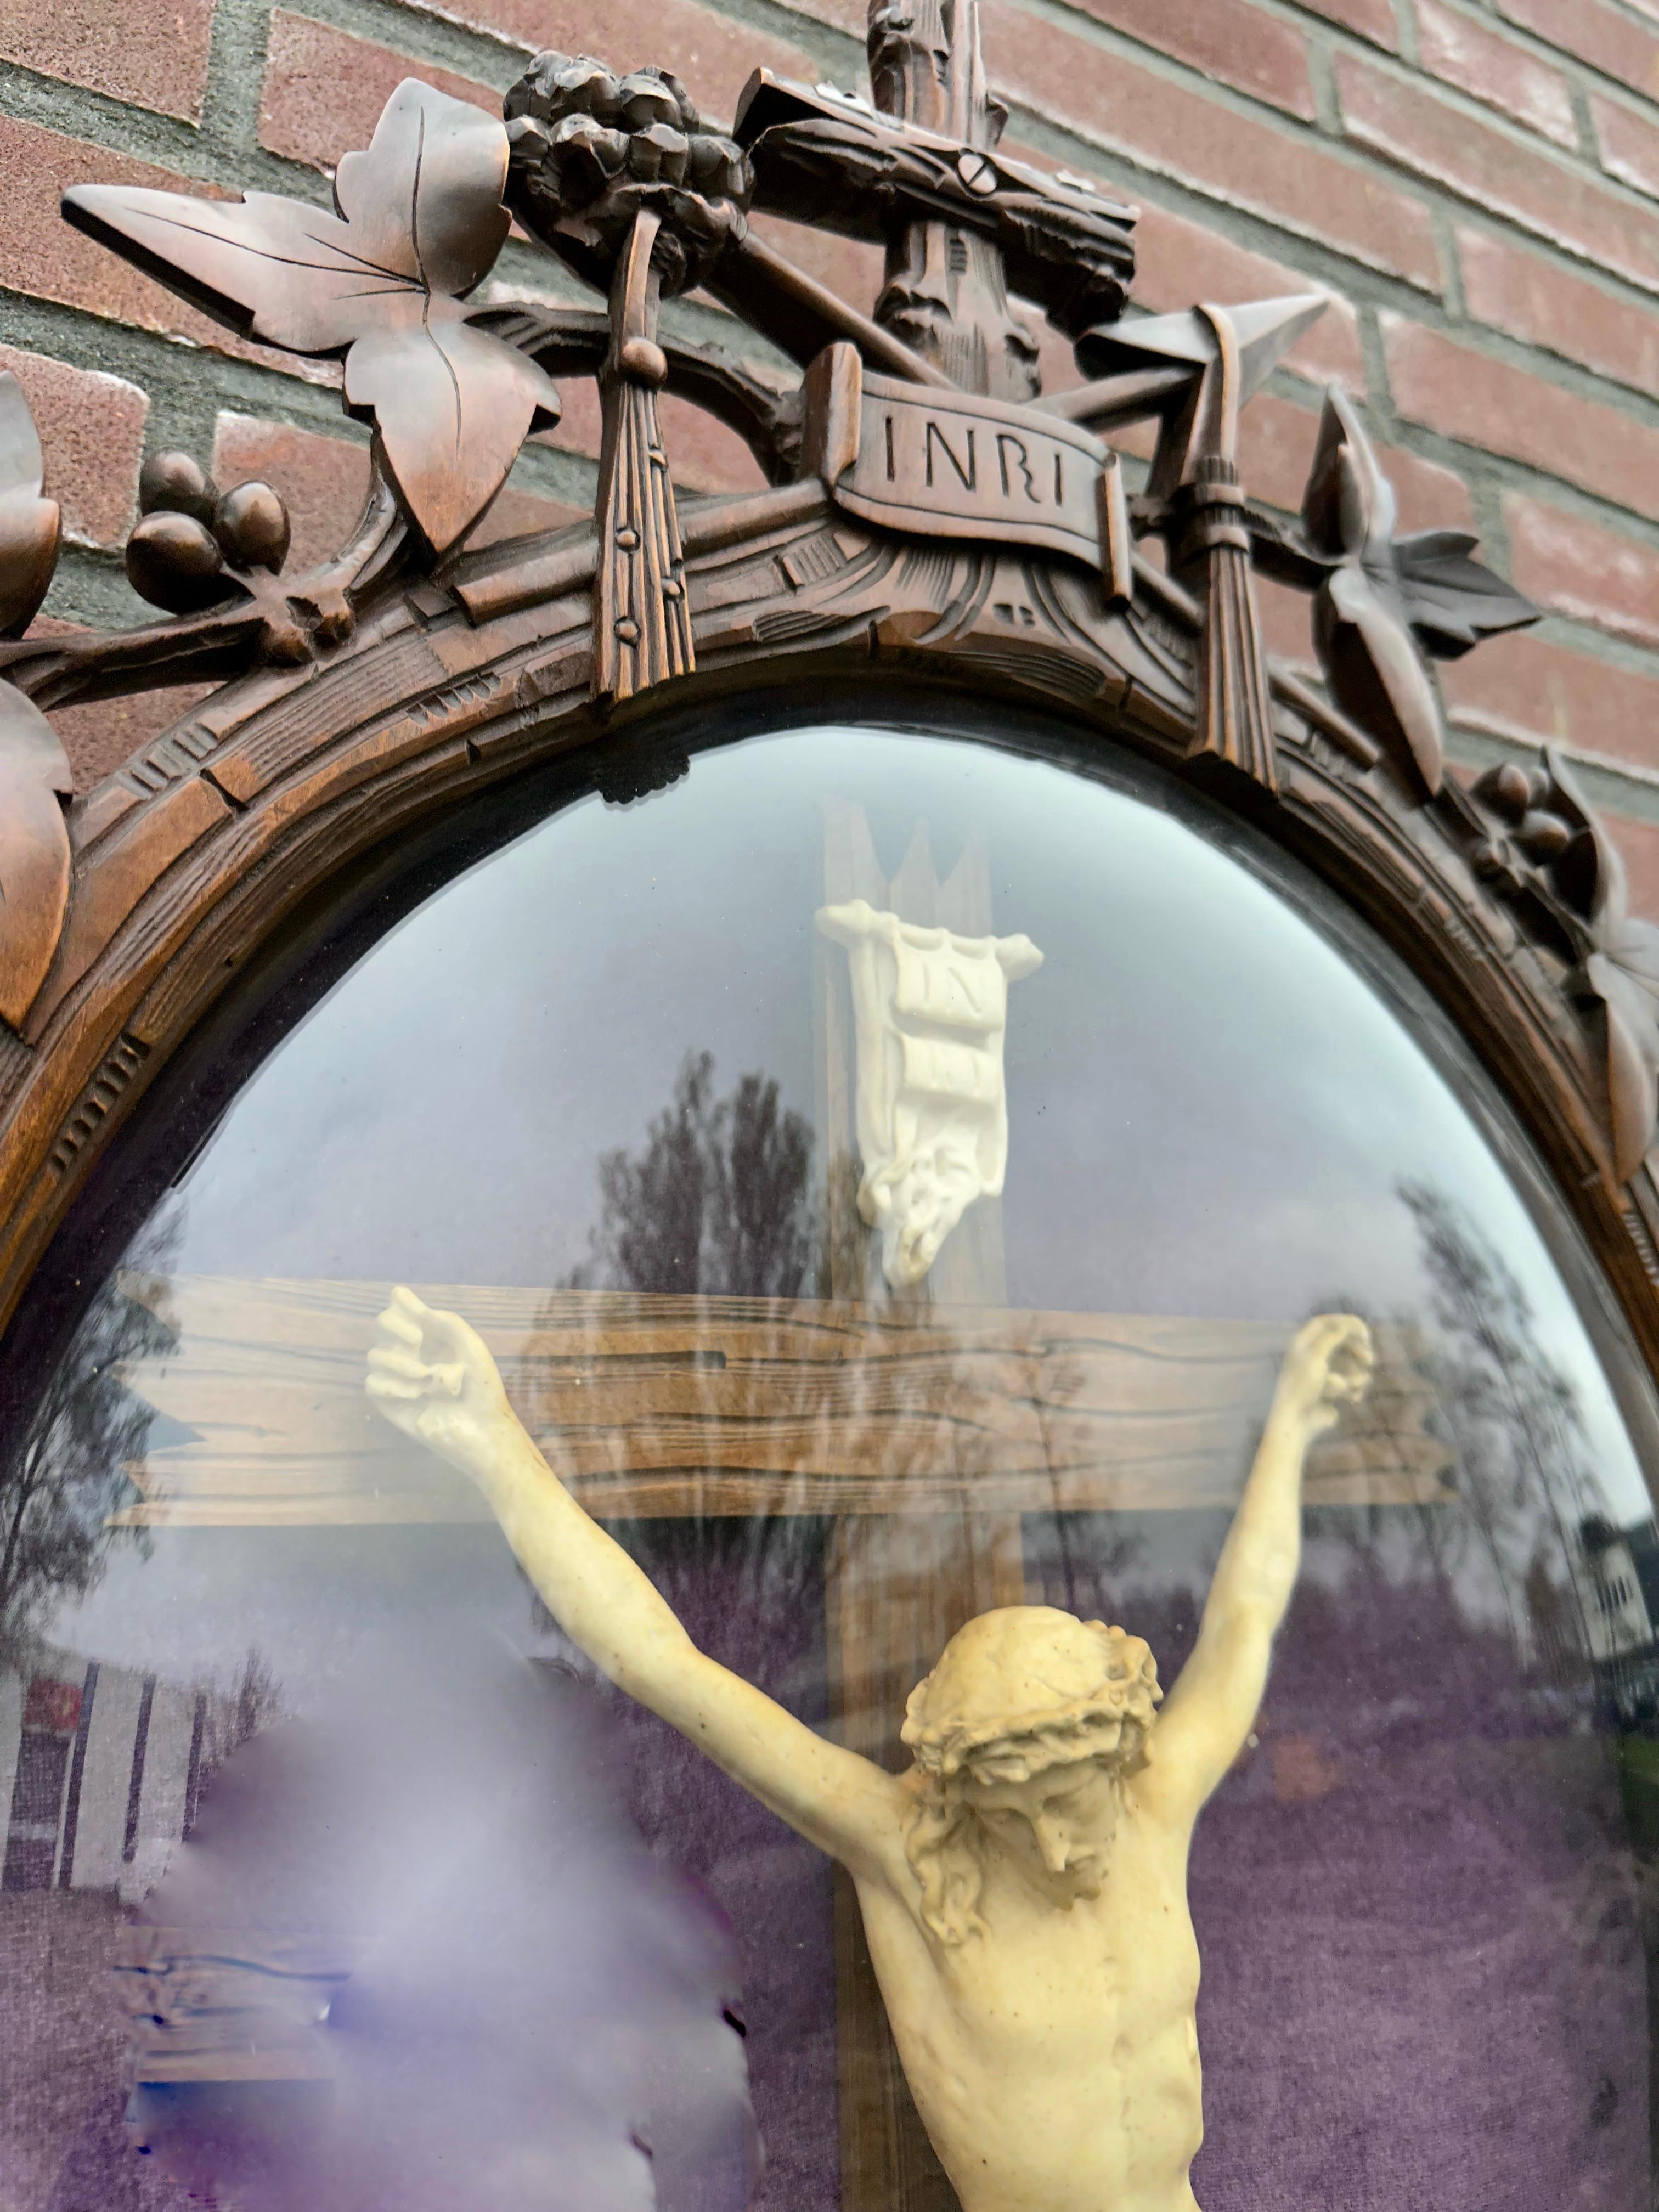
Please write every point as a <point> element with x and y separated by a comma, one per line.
<point>935,524</point>
<point>195,858</point>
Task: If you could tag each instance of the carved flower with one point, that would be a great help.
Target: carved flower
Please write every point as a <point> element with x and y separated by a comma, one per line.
<point>382,282</point>
<point>1384,597</point>
<point>591,150</point>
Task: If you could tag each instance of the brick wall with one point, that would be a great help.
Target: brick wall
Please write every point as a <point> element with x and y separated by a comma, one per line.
<point>1476,181</point>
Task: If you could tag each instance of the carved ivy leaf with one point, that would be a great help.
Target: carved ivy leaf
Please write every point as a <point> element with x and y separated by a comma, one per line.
<point>383,281</point>
<point>1386,600</point>
<point>29,525</point>
<point>1452,600</point>
<point>34,851</point>
<point>1361,633</point>
<point>1375,671</point>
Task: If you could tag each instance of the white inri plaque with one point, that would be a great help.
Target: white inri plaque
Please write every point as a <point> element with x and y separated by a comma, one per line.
<point>930,1010</point>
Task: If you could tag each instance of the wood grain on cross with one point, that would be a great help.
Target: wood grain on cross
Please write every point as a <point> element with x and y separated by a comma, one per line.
<point>896,1590</point>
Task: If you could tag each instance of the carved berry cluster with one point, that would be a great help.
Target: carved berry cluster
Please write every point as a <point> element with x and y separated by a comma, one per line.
<point>1536,823</point>
<point>196,544</point>
<point>591,150</point>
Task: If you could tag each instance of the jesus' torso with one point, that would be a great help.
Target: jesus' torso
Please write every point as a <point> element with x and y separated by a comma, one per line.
<point>1053,2059</point>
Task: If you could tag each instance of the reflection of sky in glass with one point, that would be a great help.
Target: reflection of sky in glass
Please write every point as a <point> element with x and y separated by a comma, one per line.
<point>1208,1115</point>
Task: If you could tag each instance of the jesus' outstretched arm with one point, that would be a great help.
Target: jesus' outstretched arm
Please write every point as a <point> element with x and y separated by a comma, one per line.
<point>1213,1705</point>
<point>433,1377</point>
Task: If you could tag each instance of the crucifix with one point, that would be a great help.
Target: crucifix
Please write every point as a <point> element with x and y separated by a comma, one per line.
<point>1023,1887</point>
<point>878,1380</point>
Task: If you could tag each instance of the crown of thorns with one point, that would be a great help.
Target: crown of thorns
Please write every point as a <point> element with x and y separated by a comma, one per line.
<point>1000,1745</point>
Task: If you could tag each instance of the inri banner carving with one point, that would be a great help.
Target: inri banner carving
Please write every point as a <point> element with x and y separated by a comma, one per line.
<point>930,1011</point>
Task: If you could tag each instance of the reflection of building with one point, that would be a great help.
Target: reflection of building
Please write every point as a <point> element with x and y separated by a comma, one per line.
<point>100,1769</point>
<point>1618,1576</point>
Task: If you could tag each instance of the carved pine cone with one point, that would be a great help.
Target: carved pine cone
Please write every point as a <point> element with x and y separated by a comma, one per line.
<point>591,150</point>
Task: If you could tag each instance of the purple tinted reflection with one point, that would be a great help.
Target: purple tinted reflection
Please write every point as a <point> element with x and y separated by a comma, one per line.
<point>750,1594</point>
<point>529,2009</point>
<point>1423,1980</point>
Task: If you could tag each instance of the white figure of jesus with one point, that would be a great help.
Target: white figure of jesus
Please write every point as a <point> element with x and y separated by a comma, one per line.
<point>1023,1885</point>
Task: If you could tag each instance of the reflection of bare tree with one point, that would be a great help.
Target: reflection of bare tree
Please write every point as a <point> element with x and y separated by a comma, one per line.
<point>1513,1419</point>
<point>65,1473</point>
<point>716,1201</point>
<point>230,1721</point>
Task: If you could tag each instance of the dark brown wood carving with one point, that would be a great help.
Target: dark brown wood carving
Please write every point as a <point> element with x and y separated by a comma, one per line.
<point>932,519</point>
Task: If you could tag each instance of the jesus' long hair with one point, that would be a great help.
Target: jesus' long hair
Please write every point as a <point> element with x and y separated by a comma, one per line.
<point>1110,1720</point>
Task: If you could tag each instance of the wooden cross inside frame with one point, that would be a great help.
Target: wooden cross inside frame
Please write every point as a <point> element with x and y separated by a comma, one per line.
<point>924,1428</point>
<point>926,1431</point>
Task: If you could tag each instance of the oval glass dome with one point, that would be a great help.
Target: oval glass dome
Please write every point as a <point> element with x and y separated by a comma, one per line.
<point>888,1172</point>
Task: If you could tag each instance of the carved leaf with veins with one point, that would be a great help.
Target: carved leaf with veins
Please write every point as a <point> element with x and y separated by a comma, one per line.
<point>383,281</point>
<point>1387,600</point>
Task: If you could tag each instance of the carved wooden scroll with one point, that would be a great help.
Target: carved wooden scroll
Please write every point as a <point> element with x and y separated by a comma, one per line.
<point>950,465</point>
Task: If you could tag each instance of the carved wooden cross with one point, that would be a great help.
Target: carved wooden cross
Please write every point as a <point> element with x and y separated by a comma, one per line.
<point>925,1431</point>
<point>974,220</point>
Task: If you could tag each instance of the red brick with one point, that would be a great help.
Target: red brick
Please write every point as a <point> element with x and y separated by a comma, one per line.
<point>1462,394</point>
<point>1575,568</point>
<point>1629,144</point>
<point>1430,497</point>
<point>1494,70</point>
<point>1638,849</point>
<point>156,56</point>
<point>712,56</point>
<point>1287,624</point>
<point>1370,19</point>
<point>1275,452</point>
<point>40,255</point>
<point>1415,127</point>
<point>323,90</point>
<point>1235,157</point>
<point>1519,291</point>
<point>1596,32</point>
<point>1177,262</point>
<point>325,482</point>
<point>1525,687</point>
<point>851,16</point>
<point>704,455</point>
<point>853,271</point>
<point>92,429</point>
<point>1228,40</point>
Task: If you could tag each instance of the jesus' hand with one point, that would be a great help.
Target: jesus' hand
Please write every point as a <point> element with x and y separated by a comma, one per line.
<point>1328,1366</point>
<point>432,1376</point>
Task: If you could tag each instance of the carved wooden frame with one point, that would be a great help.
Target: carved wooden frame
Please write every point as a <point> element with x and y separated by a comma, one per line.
<point>368,699</point>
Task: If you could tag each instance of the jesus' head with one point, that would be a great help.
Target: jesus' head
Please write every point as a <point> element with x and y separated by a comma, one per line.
<point>1021,1737</point>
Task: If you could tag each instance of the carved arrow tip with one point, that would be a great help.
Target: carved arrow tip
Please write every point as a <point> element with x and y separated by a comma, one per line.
<point>1264,330</point>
